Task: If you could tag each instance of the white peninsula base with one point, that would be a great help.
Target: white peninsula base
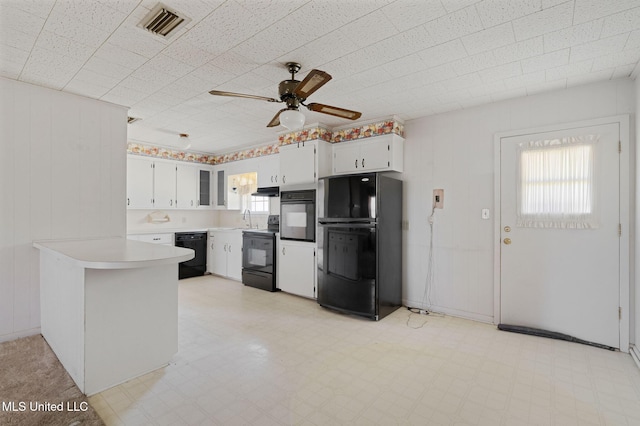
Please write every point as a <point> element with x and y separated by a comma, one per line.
<point>109,308</point>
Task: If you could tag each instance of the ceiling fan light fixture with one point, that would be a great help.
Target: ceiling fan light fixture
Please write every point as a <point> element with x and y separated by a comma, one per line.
<point>292,119</point>
<point>185,142</point>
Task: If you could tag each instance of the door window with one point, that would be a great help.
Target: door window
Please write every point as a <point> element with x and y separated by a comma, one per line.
<point>556,188</point>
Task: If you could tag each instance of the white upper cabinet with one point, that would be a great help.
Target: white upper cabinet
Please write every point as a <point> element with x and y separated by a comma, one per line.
<point>220,188</point>
<point>139,183</point>
<point>204,177</point>
<point>226,197</point>
<point>380,153</point>
<point>304,162</point>
<point>186,186</point>
<point>164,188</point>
<point>165,184</point>
<point>269,171</point>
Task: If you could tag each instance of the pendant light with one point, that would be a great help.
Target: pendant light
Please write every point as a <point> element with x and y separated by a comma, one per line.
<point>185,142</point>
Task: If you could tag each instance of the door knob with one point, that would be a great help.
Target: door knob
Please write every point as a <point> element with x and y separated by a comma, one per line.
<point>507,229</point>
<point>507,241</point>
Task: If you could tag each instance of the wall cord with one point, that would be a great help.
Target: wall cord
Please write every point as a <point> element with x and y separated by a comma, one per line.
<point>426,297</point>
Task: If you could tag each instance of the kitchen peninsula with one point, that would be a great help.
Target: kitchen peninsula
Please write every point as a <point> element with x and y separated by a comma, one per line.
<point>109,307</point>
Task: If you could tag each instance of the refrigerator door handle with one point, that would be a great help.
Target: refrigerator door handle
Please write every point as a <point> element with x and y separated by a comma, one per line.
<point>348,225</point>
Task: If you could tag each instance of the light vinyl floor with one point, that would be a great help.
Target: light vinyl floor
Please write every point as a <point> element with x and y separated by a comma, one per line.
<point>250,357</point>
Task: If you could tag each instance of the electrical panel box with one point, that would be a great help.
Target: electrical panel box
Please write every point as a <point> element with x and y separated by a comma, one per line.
<point>438,198</point>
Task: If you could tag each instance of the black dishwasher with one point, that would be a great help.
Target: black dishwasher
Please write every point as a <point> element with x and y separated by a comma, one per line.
<point>197,241</point>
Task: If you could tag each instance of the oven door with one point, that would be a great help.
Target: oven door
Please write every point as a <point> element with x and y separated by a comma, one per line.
<point>298,220</point>
<point>347,267</point>
<point>258,251</point>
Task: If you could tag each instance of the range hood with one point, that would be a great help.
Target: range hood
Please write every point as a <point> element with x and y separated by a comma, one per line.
<point>269,191</point>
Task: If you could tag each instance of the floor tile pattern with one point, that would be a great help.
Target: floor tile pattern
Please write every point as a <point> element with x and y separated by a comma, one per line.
<point>250,357</point>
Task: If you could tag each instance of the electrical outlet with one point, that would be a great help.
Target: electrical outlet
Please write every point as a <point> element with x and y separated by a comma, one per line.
<point>438,198</point>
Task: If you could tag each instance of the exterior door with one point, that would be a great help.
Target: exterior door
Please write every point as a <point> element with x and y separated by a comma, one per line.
<point>560,278</point>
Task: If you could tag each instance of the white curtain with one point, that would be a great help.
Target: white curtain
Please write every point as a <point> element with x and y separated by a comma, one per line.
<point>557,183</point>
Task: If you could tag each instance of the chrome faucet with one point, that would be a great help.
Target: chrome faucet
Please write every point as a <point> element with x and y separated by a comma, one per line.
<point>244,217</point>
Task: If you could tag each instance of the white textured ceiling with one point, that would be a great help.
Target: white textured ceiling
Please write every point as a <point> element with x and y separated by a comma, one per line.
<point>409,58</point>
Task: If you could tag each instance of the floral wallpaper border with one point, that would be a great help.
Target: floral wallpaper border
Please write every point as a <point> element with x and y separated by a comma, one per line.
<point>310,134</point>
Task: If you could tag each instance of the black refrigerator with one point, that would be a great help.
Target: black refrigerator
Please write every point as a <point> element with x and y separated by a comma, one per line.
<point>360,244</point>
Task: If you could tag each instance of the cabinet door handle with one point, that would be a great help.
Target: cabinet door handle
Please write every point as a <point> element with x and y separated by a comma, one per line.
<point>211,246</point>
<point>170,202</point>
<point>225,247</point>
<point>356,163</point>
<point>191,203</point>
<point>284,179</point>
<point>283,251</point>
<point>363,162</point>
<point>276,178</point>
<point>229,248</point>
<point>128,202</point>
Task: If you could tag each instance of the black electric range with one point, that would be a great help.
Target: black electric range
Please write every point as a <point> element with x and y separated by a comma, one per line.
<point>259,255</point>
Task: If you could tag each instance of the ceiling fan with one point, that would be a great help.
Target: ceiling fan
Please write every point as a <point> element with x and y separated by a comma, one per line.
<point>293,93</point>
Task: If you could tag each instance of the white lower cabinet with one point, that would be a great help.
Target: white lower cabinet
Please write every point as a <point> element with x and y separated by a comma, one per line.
<point>225,253</point>
<point>297,268</point>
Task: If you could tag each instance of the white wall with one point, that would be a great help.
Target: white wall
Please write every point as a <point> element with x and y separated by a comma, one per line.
<point>137,220</point>
<point>455,151</point>
<point>62,176</point>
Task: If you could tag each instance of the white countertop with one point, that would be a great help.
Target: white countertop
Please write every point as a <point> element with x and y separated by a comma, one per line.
<point>165,231</point>
<point>115,253</point>
<point>174,230</point>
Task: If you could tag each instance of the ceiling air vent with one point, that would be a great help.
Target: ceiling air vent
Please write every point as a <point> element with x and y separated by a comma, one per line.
<point>132,119</point>
<point>163,21</point>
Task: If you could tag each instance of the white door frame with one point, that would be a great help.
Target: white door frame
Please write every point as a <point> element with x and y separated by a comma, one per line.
<point>625,199</point>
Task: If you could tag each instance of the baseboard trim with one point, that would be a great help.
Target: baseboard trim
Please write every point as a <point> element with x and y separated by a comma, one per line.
<point>19,334</point>
<point>452,312</point>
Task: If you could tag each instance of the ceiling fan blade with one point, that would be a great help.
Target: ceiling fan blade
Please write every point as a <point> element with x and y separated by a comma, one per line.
<point>275,121</point>
<point>312,82</point>
<point>331,110</point>
<point>242,95</point>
